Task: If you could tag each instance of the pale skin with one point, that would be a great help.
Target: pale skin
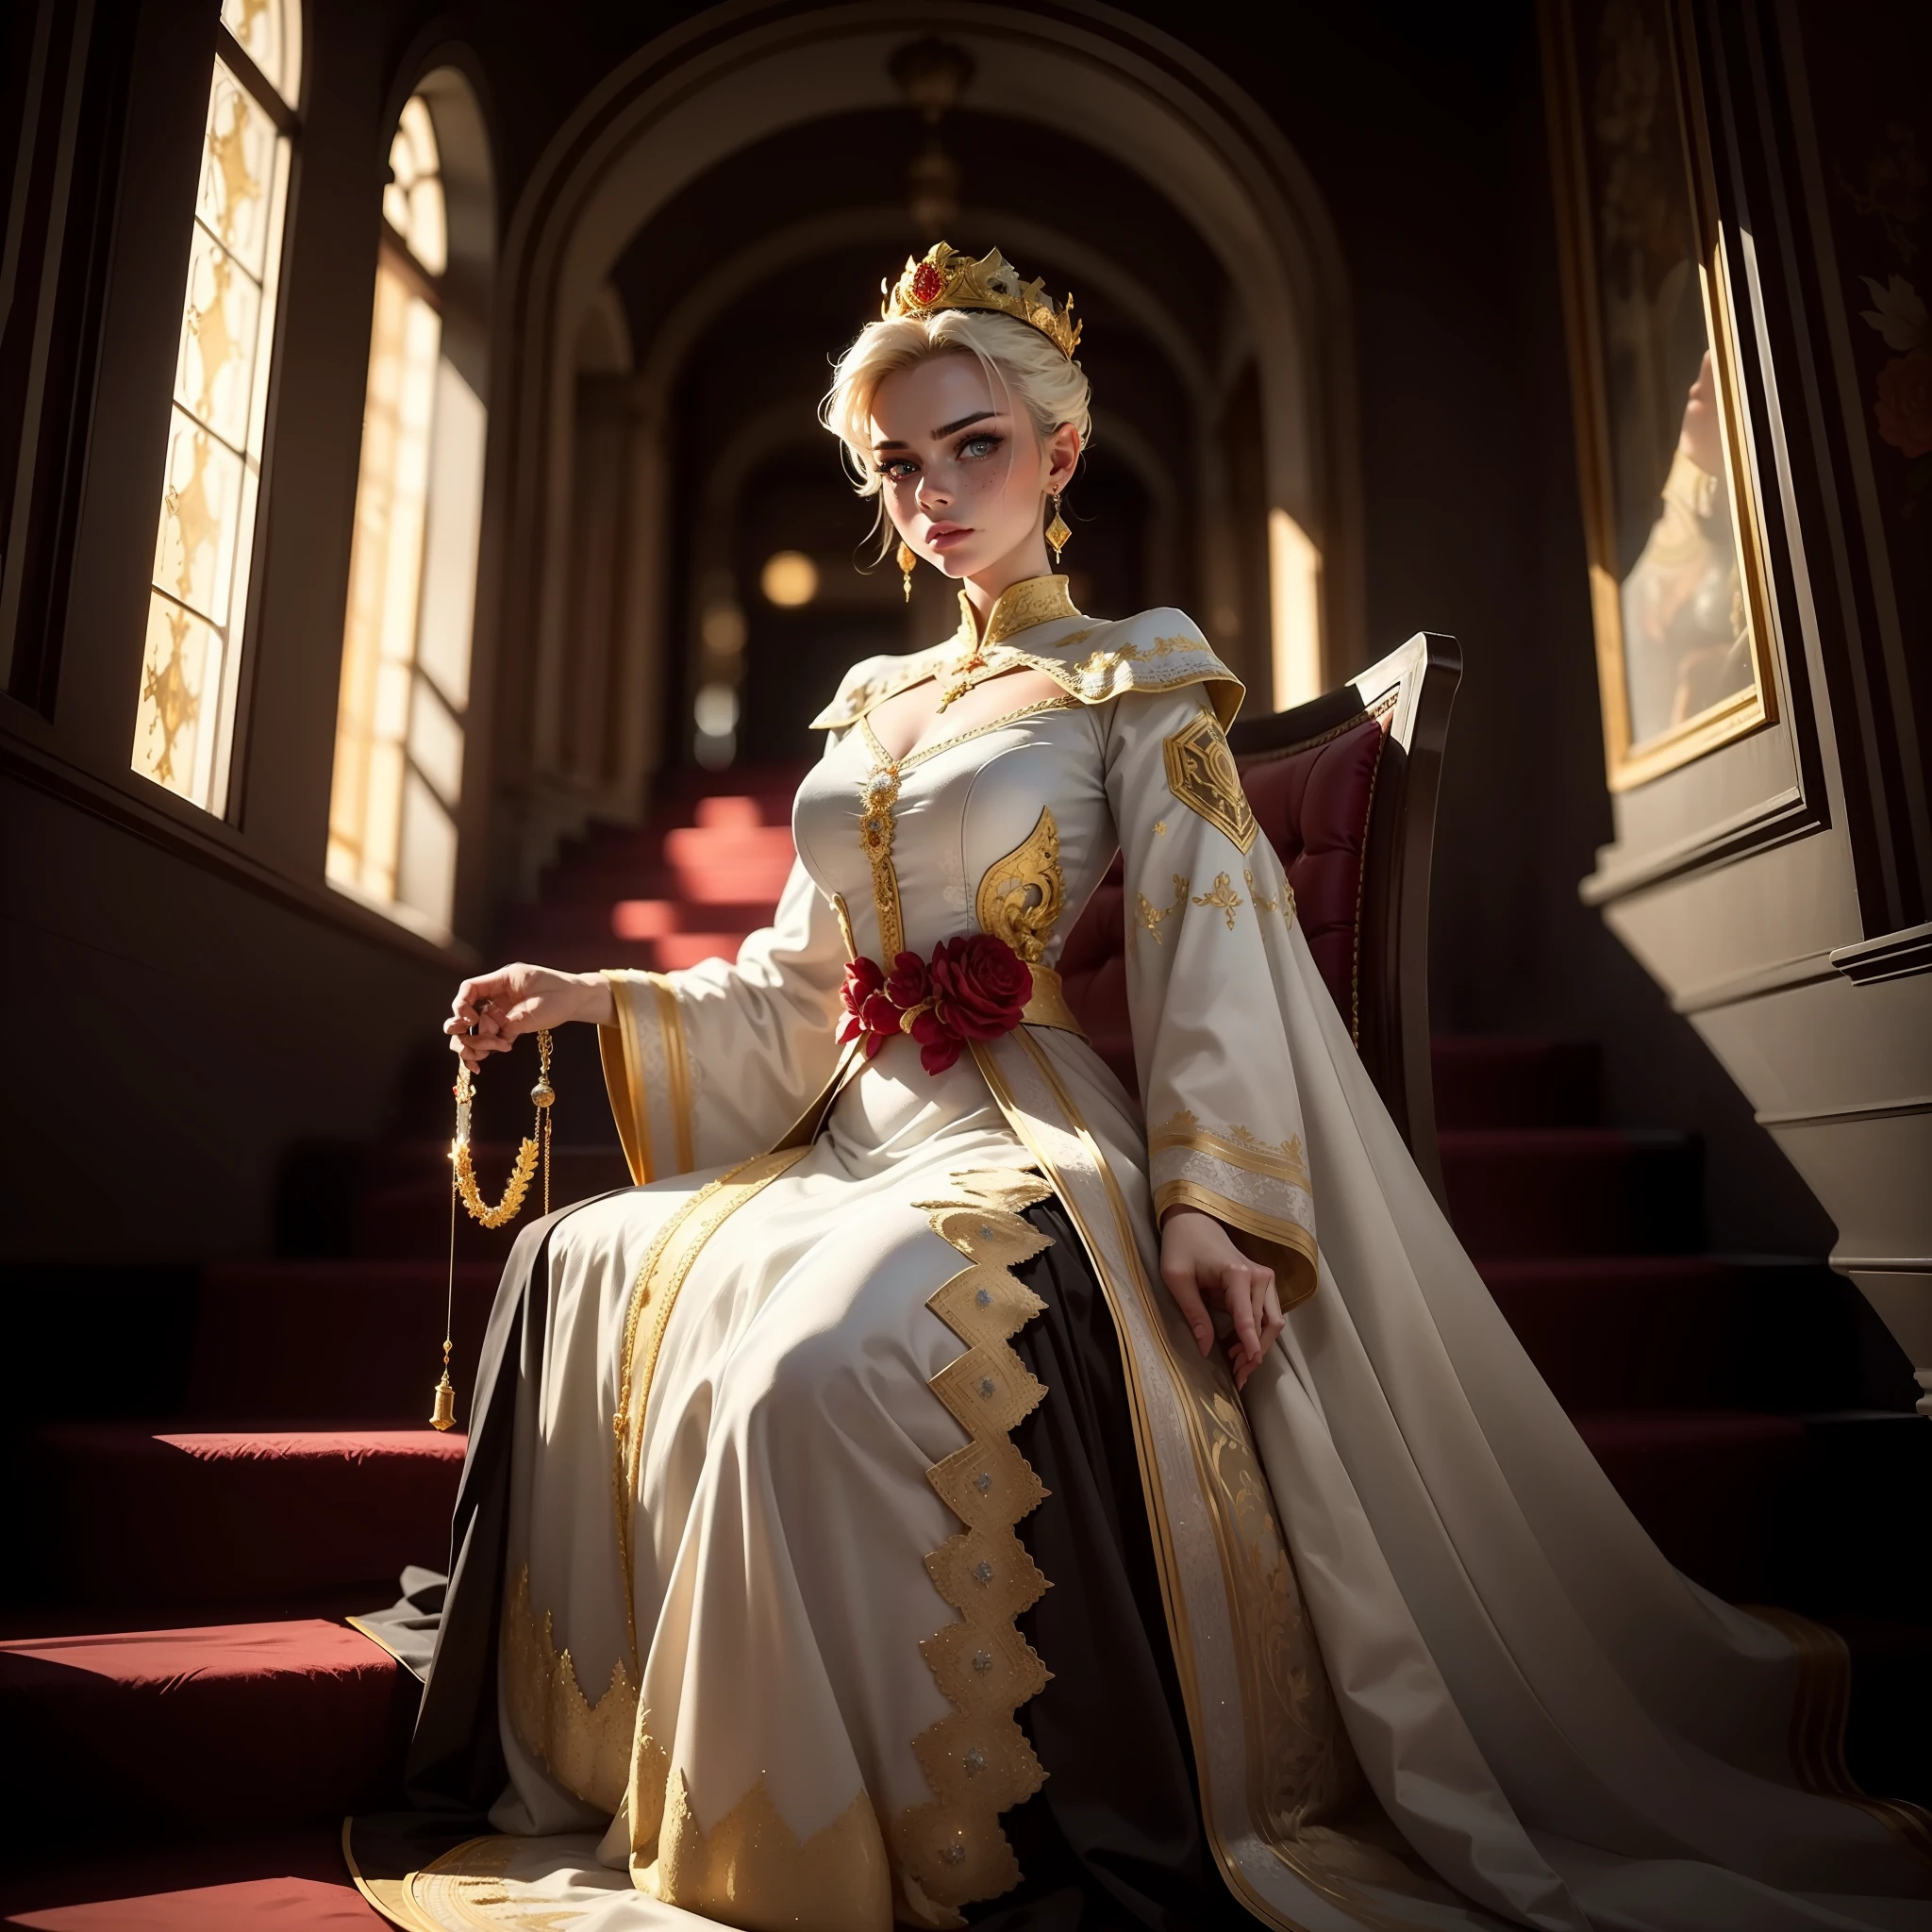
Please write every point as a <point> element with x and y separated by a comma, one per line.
<point>964,477</point>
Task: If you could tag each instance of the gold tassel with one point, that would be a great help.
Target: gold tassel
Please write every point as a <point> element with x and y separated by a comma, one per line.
<point>907,557</point>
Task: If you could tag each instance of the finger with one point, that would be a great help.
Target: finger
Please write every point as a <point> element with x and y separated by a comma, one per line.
<point>1187,1295</point>
<point>1240,1306</point>
<point>1273,1321</point>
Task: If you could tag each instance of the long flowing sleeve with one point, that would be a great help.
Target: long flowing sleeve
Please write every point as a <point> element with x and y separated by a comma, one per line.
<point>1209,921</point>
<point>715,1063</point>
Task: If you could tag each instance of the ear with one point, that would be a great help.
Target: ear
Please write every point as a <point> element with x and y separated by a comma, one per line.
<point>1063,457</point>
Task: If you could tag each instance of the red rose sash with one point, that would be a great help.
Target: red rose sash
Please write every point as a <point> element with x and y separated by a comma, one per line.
<point>973,988</point>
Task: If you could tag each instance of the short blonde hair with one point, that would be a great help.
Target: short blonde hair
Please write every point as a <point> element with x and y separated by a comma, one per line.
<point>1015,355</point>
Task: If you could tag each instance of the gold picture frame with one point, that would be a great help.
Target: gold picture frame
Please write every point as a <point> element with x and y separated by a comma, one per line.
<point>1670,505</point>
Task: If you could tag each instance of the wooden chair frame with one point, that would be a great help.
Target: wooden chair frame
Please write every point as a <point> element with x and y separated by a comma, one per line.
<point>1411,693</point>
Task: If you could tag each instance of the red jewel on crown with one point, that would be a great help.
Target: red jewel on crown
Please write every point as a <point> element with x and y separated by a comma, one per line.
<point>928,285</point>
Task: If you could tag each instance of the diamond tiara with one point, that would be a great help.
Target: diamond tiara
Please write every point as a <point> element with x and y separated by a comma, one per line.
<point>944,278</point>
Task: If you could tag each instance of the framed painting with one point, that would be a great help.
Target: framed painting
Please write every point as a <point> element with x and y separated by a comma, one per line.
<point>1671,515</point>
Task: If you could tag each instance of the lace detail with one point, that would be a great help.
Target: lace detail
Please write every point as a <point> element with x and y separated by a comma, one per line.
<point>952,1851</point>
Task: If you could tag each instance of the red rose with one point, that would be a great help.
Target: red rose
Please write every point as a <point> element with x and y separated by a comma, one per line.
<point>939,1045</point>
<point>1904,403</point>
<point>907,985</point>
<point>980,986</point>
<point>862,980</point>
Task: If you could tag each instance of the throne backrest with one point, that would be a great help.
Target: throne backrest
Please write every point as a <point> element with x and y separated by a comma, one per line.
<point>1344,786</point>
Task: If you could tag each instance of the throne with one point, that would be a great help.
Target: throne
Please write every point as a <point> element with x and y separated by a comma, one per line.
<point>1344,786</point>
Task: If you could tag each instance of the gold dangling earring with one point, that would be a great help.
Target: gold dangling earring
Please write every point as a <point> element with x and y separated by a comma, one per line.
<point>1057,535</point>
<point>907,557</point>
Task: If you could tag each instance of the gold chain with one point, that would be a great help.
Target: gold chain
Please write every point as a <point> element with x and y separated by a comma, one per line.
<point>534,1148</point>
<point>533,1151</point>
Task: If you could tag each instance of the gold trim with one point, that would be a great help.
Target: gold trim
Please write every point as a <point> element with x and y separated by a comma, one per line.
<point>380,1641</point>
<point>1283,900</point>
<point>877,796</point>
<point>1203,776</point>
<point>618,1044</point>
<point>584,1746</point>
<point>632,1125</point>
<point>1232,1489</point>
<point>977,1758</point>
<point>1002,905</point>
<point>1287,1246</point>
<point>1238,1145</point>
<point>389,1896</point>
<point>1819,1711</point>
<point>842,913</point>
<point>737,1185</point>
<point>677,1069</point>
<point>919,753</point>
<point>1031,602</point>
<point>751,1869</point>
<point>1048,1005</point>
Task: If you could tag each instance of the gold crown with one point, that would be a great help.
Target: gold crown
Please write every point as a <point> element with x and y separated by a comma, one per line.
<point>944,278</point>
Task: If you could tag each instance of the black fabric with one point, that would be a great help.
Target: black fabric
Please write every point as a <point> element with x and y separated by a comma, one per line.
<point>455,1764</point>
<point>1112,1843</point>
<point>1114,1838</point>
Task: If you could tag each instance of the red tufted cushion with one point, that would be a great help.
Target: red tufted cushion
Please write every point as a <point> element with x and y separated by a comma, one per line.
<point>1313,805</point>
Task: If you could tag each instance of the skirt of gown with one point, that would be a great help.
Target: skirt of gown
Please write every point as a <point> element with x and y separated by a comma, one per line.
<point>694,1666</point>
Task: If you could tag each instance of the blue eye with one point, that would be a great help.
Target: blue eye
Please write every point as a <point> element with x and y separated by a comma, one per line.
<point>898,469</point>
<point>976,446</point>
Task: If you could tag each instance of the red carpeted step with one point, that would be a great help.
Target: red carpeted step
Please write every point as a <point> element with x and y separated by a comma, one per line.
<point>1648,1331</point>
<point>1502,1082</point>
<point>1573,1190</point>
<point>139,1517</point>
<point>1707,1485</point>
<point>335,1341</point>
<point>222,1726</point>
<point>729,865</point>
<point>292,1879</point>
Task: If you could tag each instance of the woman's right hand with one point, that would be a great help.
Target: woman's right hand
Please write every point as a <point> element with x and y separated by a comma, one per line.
<point>494,1009</point>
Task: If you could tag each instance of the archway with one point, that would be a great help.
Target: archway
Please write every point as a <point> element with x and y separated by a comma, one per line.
<point>741,74</point>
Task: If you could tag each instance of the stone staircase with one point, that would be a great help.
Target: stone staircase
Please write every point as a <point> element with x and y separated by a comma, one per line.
<point>188,1717</point>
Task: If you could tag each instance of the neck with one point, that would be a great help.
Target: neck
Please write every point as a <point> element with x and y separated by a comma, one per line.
<point>983,588</point>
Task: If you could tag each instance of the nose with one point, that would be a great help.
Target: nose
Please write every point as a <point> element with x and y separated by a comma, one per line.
<point>931,496</point>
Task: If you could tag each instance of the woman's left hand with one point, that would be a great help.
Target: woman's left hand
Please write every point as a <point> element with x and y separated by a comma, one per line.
<point>1203,1269</point>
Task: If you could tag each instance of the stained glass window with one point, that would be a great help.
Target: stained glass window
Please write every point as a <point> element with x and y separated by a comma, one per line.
<point>406,646</point>
<point>212,476</point>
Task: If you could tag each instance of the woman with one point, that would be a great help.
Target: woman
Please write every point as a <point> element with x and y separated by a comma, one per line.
<point>949,1490</point>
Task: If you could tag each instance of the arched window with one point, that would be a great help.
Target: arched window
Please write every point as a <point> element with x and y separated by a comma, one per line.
<point>210,489</point>
<point>400,719</point>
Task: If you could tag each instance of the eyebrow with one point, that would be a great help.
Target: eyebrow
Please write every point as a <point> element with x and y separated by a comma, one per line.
<point>948,428</point>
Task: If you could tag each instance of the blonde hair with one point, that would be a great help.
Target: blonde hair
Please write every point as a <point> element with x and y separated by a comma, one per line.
<point>1014,355</point>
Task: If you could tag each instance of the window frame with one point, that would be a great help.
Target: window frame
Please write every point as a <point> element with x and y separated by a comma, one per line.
<point>289,124</point>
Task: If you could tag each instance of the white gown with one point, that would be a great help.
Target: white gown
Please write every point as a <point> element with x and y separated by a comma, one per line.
<point>759,1664</point>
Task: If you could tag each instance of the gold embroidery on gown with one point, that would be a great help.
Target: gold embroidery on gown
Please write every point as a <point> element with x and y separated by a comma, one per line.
<point>952,1851</point>
<point>1202,773</point>
<point>586,1747</point>
<point>877,796</point>
<point>1222,897</point>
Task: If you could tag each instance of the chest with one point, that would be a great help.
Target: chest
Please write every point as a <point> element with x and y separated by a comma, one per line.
<point>910,841</point>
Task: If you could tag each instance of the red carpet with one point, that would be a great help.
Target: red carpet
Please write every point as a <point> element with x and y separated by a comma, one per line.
<point>138,1517</point>
<point>224,1725</point>
<point>288,1880</point>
